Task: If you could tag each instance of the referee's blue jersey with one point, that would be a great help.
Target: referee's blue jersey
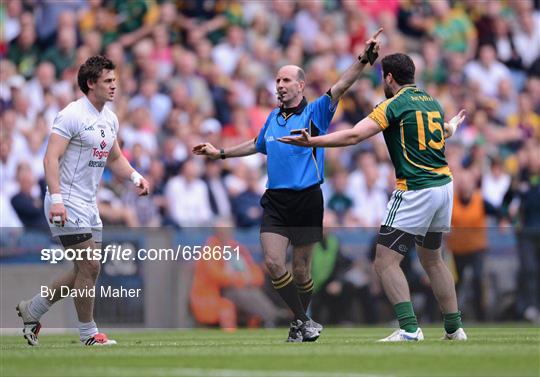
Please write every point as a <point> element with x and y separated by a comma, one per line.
<point>290,166</point>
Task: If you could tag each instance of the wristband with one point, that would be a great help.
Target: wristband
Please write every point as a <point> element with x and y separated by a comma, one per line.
<point>136,178</point>
<point>453,126</point>
<point>222,153</point>
<point>56,199</point>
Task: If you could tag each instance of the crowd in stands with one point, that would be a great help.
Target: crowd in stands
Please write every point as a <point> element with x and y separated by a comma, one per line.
<point>194,71</point>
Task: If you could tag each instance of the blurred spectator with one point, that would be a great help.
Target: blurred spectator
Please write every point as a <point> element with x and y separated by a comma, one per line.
<point>27,203</point>
<point>338,281</point>
<point>225,289</point>
<point>227,54</point>
<point>527,37</point>
<point>495,184</point>
<point>24,52</point>
<point>111,208</point>
<point>370,203</point>
<point>12,26</point>
<point>217,192</point>
<point>62,55</point>
<point>453,28</point>
<point>188,184</point>
<point>468,239</point>
<point>339,202</point>
<point>185,74</point>
<point>414,18</point>
<point>41,83</point>
<point>158,105</point>
<point>525,119</point>
<point>246,205</point>
<point>523,203</point>
<point>486,72</point>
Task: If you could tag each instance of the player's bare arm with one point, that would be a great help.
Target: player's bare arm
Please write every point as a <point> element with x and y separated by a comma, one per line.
<point>353,72</point>
<point>364,129</point>
<point>51,162</point>
<point>451,127</point>
<point>121,167</point>
<point>243,149</point>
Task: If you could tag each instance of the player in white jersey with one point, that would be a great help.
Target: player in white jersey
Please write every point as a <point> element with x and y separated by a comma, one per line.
<point>83,140</point>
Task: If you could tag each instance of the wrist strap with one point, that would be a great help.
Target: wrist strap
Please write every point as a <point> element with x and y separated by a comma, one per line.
<point>135,178</point>
<point>56,198</point>
<point>222,153</point>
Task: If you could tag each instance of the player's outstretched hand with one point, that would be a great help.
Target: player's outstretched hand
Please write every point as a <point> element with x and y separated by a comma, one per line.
<point>451,127</point>
<point>206,149</point>
<point>303,140</point>
<point>143,188</point>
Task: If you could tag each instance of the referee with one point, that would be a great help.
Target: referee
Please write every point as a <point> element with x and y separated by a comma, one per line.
<point>293,203</point>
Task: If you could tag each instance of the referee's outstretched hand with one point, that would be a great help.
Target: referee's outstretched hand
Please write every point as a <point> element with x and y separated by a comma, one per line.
<point>206,149</point>
<point>303,140</point>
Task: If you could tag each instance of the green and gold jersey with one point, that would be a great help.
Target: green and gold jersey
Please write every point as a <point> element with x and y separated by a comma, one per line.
<point>413,129</point>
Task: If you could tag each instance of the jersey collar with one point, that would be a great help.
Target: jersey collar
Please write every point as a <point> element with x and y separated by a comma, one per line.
<point>91,107</point>
<point>286,112</point>
<point>405,87</point>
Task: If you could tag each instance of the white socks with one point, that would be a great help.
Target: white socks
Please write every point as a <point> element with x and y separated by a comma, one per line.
<point>38,306</point>
<point>87,330</point>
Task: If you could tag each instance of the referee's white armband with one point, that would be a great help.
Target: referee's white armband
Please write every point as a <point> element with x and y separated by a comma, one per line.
<point>136,178</point>
<point>56,199</point>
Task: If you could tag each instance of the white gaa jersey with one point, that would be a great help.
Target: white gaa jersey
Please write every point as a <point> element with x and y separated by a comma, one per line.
<point>91,136</point>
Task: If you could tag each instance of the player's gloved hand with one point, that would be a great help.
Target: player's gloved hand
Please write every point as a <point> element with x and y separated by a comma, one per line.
<point>371,52</point>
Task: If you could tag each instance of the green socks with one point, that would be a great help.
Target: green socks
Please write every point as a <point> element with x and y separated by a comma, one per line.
<point>405,315</point>
<point>407,319</point>
<point>452,322</point>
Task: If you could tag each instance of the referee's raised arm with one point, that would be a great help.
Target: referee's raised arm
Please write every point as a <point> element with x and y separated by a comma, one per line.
<point>352,73</point>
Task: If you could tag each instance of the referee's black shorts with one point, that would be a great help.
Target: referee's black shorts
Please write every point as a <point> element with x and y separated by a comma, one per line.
<point>297,215</point>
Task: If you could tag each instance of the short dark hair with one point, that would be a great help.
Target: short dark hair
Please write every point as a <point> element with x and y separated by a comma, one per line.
<point>400,66</point>
<point>91,70</point>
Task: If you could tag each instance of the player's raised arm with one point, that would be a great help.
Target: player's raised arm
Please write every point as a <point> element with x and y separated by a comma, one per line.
<point>243,149</point>
<point>120,166</point>
<point>352,73</point>
<point>364,129</point>
<point>51,162</point>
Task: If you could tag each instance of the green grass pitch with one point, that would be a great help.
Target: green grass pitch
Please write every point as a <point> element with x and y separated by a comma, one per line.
<point>494,351</point>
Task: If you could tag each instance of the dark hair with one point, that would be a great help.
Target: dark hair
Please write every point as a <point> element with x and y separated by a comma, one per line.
<point>400,66</point>
<point>91,70</point>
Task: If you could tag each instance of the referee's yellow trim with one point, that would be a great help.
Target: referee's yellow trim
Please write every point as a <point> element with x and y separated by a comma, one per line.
<point>282,279</point>
<point>281,285</point>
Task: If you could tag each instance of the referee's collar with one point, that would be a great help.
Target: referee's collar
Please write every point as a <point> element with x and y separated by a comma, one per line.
<point>286,112</point>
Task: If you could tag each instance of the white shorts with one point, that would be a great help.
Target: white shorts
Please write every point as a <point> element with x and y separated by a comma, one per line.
<point>82,218</point>
<point>421,211</point>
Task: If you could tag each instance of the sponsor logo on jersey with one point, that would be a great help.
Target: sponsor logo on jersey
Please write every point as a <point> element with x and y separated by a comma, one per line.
<point>103,144</point>
<point>100,154</point>
<point>90,128</point>
<point>96,164</point>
